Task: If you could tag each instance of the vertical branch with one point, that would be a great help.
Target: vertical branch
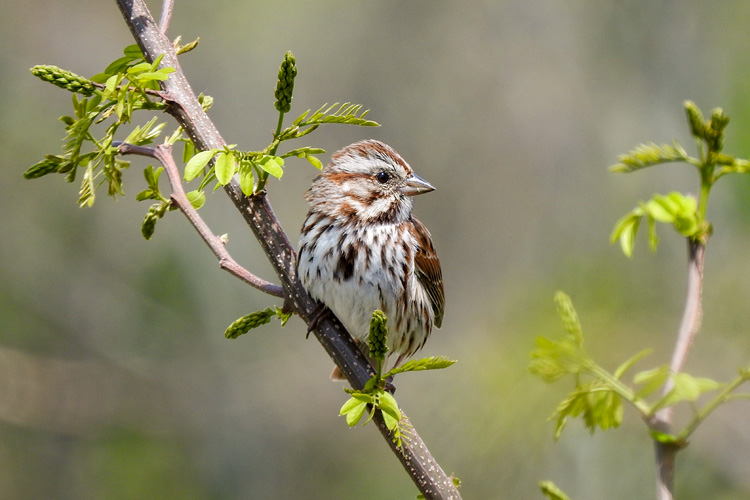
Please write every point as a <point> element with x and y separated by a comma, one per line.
<point>167,6</point>
<point>183,105</point>
<point>691,320</point>
<point>693,313</point>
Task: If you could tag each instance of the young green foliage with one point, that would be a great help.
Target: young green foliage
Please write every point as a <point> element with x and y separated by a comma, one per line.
<point>242,325</point>
<point>126,86</point>
<point>155,212</point>
<point>285,83</point>
<point>131,84</point>
<point>64,79</point>
<point>254,168</point>
<point>552,492</point>
<point>675,208</point>
<point>598,395</point>
<point>685,213</point>
<point>374,396</point>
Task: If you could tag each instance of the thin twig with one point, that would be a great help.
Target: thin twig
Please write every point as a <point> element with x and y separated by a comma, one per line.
<point>163,153</point>
<point>167,6</point>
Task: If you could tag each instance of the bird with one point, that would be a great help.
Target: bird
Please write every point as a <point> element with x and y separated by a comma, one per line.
<point>361,249</point>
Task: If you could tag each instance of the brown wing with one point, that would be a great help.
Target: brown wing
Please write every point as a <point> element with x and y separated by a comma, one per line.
<point>427,268</point>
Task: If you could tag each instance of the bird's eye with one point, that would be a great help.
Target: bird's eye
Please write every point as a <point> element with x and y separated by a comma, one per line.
<point>382,176</point>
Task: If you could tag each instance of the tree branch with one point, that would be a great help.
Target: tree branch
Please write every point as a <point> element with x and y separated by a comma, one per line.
<point>185,108</point>
<point>167,6</point>
<point>163,153</point>
<point>691,320</point>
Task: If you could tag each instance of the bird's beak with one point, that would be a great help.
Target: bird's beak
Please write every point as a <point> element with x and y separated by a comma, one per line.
<point>416,185</point>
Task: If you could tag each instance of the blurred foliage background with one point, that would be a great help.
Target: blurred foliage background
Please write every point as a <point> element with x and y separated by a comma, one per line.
<point>116,380</point>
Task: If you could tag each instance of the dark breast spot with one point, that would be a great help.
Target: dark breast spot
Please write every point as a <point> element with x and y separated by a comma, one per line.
<point>345,265</point>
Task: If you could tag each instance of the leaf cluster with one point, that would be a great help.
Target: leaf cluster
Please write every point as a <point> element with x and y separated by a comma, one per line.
<point>127,85</point>
<point>374,395</point>
<point>685,213</point>
<point>253,168</point>
<point>681,211</point>
<point>599,396</point>
<point>131,84</point>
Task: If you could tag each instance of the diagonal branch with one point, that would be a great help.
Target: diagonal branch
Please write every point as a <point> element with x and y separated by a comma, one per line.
<point>163,153</point>
<point>183,105</point>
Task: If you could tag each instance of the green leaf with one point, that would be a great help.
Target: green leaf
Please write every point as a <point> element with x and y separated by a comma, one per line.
<point>146,194</point>
<point>387,404</point>
<point>569,316</point>
<point>139,68</point>
<point>112,83</point>
<point>363,397</point>
<point>272,165</point>
<point>651,380</point>
<point>677,209</point>
<point>390,421</point>
<point>552,360</point>
<point>160,75</point>
<point>346,113</point>
<point>133,51</point>
<point>552,492</point>
<point>182,49</point>
<point>247,180</point>
<point>571,406</point>
<point>197,163</point>
<point>688,388</point>
<point>283,316</point>
<point>607,410</point>
<point>625,231</point>
<point>653,239</point>
<point>314,162</point>
<point>142,135</point>
<point>225,168</point>
<point>304,151</point>
<point>152,176</point>
<point>188,150</point>
<point>647,155</point>
<point>627,365</point>
<point>597,404</point>
<point>86,194</point>
<point>196,198</point>
<point>349,405</point>
<point>662,209</point>
<point>354,410</point>
<point>415,365</point>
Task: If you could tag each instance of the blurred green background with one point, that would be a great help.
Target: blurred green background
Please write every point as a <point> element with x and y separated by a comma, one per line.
<point>116,380</point>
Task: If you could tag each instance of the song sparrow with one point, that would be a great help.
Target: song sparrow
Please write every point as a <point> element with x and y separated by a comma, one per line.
<point>361,249</point>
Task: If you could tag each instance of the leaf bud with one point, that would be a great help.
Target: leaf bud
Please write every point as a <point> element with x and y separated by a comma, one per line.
<point>246,323</point>
<point>695,117</point>
<point>285,83</point>
<point>49,165</point>
<point>64,79</point>
<point>378,338</point>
